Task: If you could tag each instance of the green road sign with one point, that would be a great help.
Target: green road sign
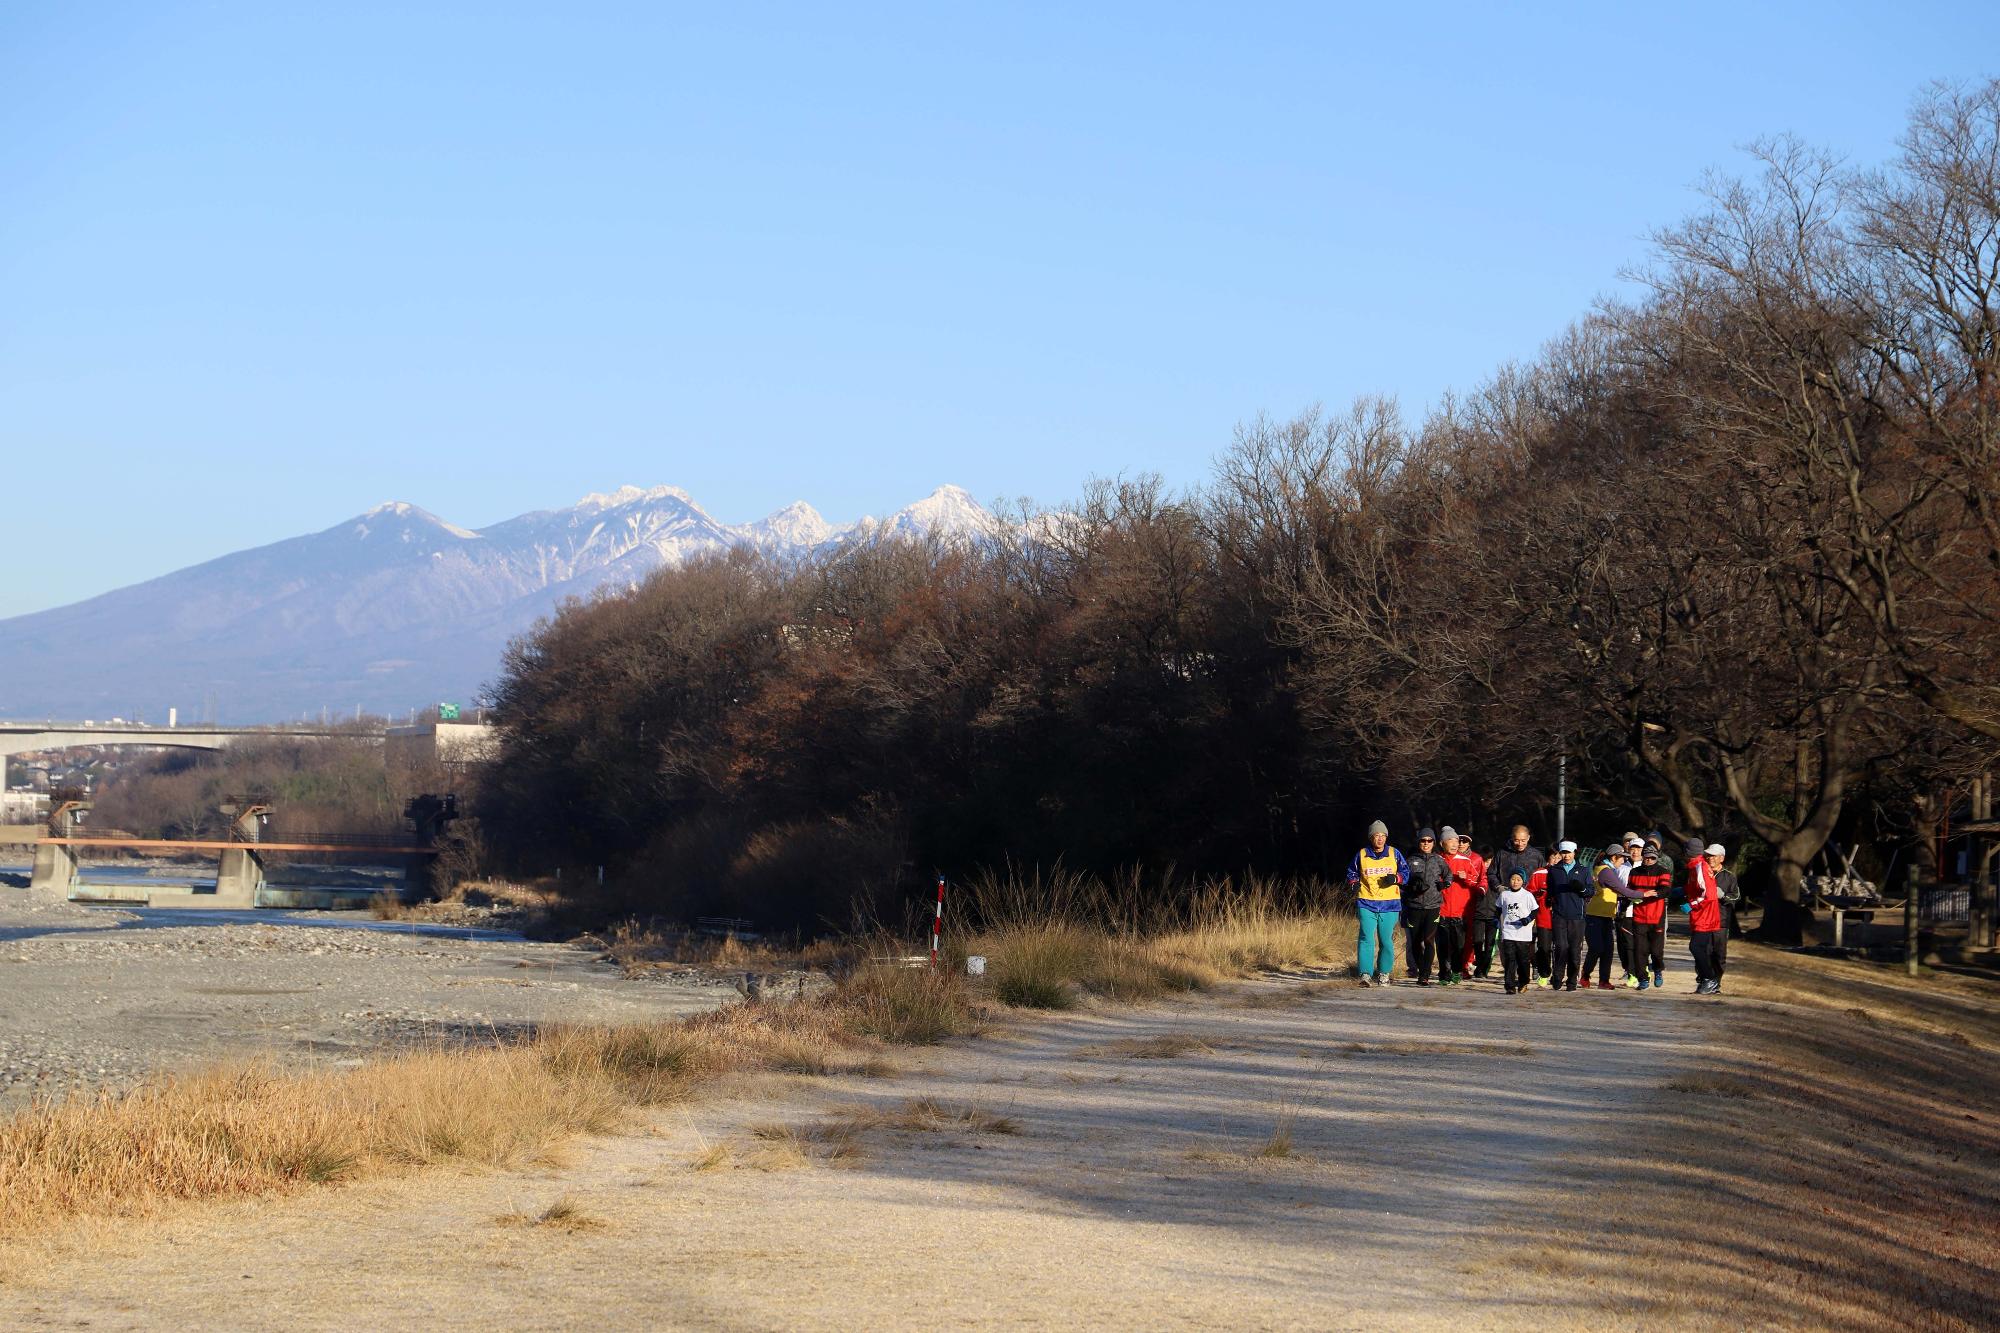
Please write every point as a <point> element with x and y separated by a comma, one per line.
<point>447,712</point>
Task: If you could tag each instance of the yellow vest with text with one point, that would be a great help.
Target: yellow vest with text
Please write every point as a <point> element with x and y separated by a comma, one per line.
<point>1379,883</point>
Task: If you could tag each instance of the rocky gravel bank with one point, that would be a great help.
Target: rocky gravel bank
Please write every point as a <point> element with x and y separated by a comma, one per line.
<point>97,998</point>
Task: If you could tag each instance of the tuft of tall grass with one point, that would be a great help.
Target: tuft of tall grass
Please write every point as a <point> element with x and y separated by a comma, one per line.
<point>906,1006</point>
<point>1050,936</point>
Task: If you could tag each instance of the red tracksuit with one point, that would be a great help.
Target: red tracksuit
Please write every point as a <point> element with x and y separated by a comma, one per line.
<point>1538,884</point>
<point>1704,921</point>
<point>1648,935</point>
<point>1468,876</point>
<point>1477,889</point>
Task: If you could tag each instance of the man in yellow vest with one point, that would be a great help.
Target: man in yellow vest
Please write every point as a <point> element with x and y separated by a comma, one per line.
<point>1377,876</point>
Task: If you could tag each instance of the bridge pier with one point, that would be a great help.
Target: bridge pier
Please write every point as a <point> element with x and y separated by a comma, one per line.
<point>57,871</point>
<point>237,879</point>
<point>241,871</point>
<point>58,868</point>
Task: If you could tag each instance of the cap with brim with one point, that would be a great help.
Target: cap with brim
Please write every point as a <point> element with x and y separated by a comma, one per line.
<point>1650,850</point>
<point>1717,849</point>
<point>1635,842</point>
<point>1565,846</point>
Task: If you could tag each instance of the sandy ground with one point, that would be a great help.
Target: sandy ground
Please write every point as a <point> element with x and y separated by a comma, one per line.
<point>1129,1194</point>
<point>96,997</point>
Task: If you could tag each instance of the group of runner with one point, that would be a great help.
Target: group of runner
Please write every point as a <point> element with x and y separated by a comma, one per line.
<point>1553,919</point>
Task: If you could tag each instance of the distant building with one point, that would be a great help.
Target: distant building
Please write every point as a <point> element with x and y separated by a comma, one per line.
<point>23,807</point>
<point>447,746</point>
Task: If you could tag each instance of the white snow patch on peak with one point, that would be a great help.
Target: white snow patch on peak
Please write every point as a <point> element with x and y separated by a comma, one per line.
<point>403,509</point>
<point>948,510</point>
<point>797,524</point>
<point>625,495</point>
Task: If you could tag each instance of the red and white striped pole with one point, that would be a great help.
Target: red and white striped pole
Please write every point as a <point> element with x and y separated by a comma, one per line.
<point>937,922</point>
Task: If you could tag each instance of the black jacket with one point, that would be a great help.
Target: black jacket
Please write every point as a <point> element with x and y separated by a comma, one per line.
<point>1570,888</point>
<point>1505,862</point>
<point>1429,874</point>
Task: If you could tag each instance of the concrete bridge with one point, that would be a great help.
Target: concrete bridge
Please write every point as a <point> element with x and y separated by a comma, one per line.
<point>23,737</point>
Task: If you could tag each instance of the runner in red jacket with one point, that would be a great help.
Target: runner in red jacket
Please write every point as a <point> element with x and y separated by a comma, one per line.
<point>1648,888</point>
<point>1466,871</point>
<point>1538,884</point>
<point>1704,898</point>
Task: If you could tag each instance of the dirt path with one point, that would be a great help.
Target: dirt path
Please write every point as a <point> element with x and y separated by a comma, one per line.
<point>1121,1186</point>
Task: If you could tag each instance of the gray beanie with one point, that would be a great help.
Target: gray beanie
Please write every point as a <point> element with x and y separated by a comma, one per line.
<point>1450,834</point>
<point>1424,835</point>
<point>1378,827</point>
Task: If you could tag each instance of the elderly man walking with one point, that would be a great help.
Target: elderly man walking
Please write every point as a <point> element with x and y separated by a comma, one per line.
<point>1569,899</point>
<point>1732,893</point>
<point>1377,875</point>
<point>1519,855</point>
<point>1704,898</point>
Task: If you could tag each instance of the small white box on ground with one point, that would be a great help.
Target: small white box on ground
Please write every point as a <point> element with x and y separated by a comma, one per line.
<point>975,965</point>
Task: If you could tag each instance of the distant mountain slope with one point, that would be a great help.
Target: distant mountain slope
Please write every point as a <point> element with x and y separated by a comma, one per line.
<point>390,610</point>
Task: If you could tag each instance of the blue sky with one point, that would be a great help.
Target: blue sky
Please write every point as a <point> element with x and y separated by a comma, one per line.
<point>264,266</point>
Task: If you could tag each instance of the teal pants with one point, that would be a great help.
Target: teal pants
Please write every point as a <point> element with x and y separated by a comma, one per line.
<point>1378,942</point>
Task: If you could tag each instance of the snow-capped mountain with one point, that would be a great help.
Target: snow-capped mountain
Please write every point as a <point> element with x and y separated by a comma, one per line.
<point>388,610</point>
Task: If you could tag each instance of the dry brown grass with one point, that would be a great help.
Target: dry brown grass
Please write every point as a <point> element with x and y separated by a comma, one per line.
<point>838,1139</point>
<point>1169,1047</point>
<point>789,1147</point>
<point>258,1129</point>
<point>1281,1143</point>
<point>1434,1049</point>
<point>526,907</point>
<point>1282,996</point>
<point>565,1214</point>
<point>641,946</point>
<point>1053,938</point>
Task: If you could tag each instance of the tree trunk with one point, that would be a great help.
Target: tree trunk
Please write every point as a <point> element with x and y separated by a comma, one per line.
<point>1785,914</point>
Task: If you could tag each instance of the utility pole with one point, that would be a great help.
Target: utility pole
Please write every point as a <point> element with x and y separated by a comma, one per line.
<point>1562,794</point>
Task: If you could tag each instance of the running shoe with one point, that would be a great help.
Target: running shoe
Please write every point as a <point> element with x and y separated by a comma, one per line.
<point>1570,986</point>
<point>1632,982</point>
<point>1605,985</point>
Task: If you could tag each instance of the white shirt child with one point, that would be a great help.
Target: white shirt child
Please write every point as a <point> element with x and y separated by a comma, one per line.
<point>1517,915</point>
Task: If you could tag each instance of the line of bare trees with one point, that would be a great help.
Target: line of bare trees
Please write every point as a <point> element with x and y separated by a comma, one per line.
<point>1732,550</point>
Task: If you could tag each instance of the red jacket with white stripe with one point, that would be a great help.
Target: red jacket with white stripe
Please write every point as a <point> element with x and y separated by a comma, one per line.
<point>1467,870</point>
<point>1704,896</point>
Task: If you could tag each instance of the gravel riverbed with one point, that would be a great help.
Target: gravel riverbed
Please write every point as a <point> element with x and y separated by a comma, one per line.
<point>99,998</point>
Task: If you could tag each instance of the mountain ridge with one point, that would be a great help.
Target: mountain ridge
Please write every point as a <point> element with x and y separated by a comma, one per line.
<point>387,610</point>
